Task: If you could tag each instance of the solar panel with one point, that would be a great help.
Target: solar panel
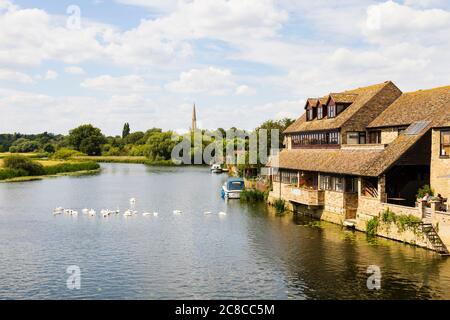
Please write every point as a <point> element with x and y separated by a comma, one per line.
<point>416,127</point>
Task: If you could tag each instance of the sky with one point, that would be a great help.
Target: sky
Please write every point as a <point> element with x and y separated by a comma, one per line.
<point>66,63</point>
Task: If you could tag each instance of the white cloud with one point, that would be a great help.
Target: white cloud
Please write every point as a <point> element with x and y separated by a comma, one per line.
<point>392,22</point>
<point>11,75</point>
<point>51,75</point>
<point>74,70</point>
<point>212,81</point>
<point>130,83</point>
<point>244,90</point>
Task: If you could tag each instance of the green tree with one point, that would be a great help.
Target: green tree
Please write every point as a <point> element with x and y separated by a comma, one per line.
<point>126,130</point>
<point>279,125</point>
<point>160,145</point>
<point>49,148</point>
<point>87,139</point>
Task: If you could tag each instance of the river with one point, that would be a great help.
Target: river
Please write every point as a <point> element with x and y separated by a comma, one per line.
<point>250,253</point>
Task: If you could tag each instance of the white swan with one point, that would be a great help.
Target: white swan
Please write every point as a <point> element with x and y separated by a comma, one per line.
<point>128,213</point>
<point>207,212</point>
<point>146,214</point>
<point>177,212</point>
<point>221,213</point>
<point>155,214</point>
<point>85,211</point>
<point>92,212</point>
<point>133,200</point>
<point>74,213</point>
<point>58,210</point>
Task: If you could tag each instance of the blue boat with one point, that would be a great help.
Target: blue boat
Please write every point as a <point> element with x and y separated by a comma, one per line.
<point>232,188</point>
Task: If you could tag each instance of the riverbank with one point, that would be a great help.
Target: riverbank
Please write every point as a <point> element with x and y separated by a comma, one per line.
<point>125,159</point>
<point>62,174</point>
<point>29,170</point>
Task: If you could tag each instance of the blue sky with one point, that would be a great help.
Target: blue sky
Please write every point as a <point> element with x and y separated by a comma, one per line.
<point>241,61</point>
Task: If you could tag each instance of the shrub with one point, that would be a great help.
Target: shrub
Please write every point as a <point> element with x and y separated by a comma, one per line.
<point>408,222</point>
<point>280,205</point>
<point>252,195</point>
<point>31,167</point>
<point>422,191</point>
<point>388,216</point>
<point>12,173</point>
<point>65,153</point>
<point>372,226</point>
<point>71,167</point>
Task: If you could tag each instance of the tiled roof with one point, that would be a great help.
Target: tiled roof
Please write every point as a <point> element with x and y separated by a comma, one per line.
<point>353,162</point>
<point>343,97</point>
<point>415,106</point>
<point>362,97</point>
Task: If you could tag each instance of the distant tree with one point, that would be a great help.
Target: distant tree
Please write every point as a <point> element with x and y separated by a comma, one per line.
<point>49,148</point>
<point>87,139</point>
<point>134,138</point>
<point>126,130</point>
<point>160,145</point>
<point>279,125</point>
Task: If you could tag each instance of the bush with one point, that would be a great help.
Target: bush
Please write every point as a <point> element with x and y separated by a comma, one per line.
<point>280,205</point>
<point>252,195</point>
<point>65,153</point>
<point>408,222</point>
<point>388,216</point>
<point>31,167</point>
<point>372,226</point>
<point>71,167</point>
<point>422,191</point>
<point>12,173</point>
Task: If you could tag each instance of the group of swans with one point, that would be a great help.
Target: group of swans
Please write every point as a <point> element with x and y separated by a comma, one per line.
<point>128,213</point>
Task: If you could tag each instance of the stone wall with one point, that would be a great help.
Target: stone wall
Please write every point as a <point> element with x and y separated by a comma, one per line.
<point>388,135</point>
<point>440,167</point>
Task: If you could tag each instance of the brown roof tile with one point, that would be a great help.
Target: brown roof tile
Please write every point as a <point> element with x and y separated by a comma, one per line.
<point>415,106</point>
<point>361,98</point>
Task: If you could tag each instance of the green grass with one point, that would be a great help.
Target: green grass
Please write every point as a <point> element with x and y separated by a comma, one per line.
<point>126,159</point>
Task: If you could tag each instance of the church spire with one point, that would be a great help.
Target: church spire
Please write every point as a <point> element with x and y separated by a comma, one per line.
<point>194,119</point>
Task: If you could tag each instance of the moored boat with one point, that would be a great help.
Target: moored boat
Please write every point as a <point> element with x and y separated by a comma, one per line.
<point>232,188</point>
<point>216,168</point>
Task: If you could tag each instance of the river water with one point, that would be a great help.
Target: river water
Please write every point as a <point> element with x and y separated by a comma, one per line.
<point>250,253</point>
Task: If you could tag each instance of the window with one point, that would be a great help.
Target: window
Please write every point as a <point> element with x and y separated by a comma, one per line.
<point>332,183</point>
<point>375,137</point>
<point>351,184</point>
<point>356,138</point>
<point>331,111</point>
<point>352,137</point>
<point>445,143</point>
<point>319,112</point>
<point>310,114</point>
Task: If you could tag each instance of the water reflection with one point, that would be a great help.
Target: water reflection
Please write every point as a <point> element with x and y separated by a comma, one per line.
<point>249,253</point>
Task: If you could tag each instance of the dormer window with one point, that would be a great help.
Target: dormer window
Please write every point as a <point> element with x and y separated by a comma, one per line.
<point>310,114</point>
<point>319,112</point>
<point>331,111</point>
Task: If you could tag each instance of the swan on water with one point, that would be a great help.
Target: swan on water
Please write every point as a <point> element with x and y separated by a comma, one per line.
<point>155,214</point>
<point>58,210</point>
<point>133,200</point>
<point>207,212</point>
<point>221,213</point>
<point>92,212</point>
<point>128,213</point>
<point>146,214</point>
<point>176,211</point>
<point>85,211</point>
<point>74,213</point>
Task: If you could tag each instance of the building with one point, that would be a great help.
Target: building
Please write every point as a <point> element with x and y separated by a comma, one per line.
<point>354,153</point>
